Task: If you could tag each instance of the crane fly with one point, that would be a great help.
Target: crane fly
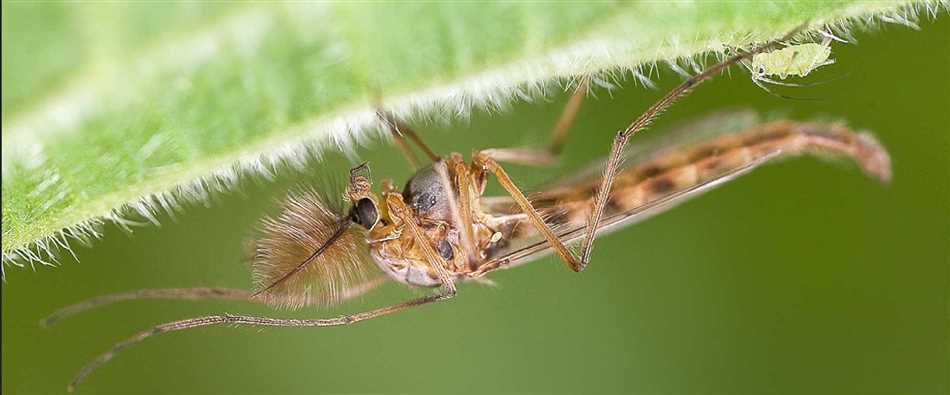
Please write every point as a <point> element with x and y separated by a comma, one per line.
<point>440,229</point>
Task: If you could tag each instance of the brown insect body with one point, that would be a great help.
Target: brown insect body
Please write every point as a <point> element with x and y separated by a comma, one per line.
<point>666,172</point>
<point>399,254</point>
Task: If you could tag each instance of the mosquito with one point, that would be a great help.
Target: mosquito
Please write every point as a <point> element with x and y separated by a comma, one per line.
<point>440,229</point>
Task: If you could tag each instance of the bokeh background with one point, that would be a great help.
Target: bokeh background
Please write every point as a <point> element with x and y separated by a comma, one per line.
<point>801,277</point>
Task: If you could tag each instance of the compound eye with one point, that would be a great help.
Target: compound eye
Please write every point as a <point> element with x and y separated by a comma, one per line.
<point>365,213</point>
<point>445,249</point>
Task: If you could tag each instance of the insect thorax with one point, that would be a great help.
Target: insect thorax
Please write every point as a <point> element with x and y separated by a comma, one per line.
<point>395,250</point>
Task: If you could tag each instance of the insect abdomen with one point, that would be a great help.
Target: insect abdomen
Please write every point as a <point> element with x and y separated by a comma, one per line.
<point>677,169</point>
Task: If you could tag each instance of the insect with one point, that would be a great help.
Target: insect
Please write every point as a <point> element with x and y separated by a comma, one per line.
<point>439,229</point>
<point>794,60</point>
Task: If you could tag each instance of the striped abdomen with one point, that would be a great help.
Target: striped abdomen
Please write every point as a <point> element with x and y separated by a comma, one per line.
<point>672,170</point>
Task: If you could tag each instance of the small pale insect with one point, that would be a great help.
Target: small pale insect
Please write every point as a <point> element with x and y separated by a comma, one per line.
<point>795,60</point>
<point>440,229</point>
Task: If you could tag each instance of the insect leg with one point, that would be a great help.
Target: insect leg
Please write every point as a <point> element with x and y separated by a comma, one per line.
<point>397,207</point>
<point>243,320</point>
<point>168,293</point>
<point>564,122</point>
<point>198,293</point>
<point>536,157</point>
<point>521,155</point>
<point>400,142</point>
<point>620,140</point>
<point>482,160</point>
<point>462,211</point>
<point>400,131</point>
<point>401,211</point>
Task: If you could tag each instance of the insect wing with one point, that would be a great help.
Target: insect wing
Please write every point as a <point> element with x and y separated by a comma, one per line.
<point>530,251</point>
<point>660,142</point>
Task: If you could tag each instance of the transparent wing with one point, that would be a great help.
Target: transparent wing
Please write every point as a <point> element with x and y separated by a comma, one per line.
<point>653,143</point>
<point>535,249</point>
<point>658,176</point>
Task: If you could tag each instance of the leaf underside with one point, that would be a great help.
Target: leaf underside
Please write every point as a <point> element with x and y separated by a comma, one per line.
<point>117,110</point>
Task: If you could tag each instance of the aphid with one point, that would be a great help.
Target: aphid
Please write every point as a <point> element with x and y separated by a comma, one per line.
<point>439,229</point>
<point>794,60</point>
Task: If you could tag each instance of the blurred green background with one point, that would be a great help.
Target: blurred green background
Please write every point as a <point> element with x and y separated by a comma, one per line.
<point>801,277</point>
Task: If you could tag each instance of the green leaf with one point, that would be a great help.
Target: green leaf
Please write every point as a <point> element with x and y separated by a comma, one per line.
<point>112,111</point>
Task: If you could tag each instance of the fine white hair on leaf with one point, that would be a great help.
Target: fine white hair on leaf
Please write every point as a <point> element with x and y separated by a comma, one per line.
<point>492,91</point>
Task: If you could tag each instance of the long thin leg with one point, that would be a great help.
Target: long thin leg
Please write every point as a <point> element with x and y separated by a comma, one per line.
<point>483,161</point>
<point>398,209</point>
<point>225,319</point>
<point>400,129</point>
<point>683,171</point>
<point>168,293</point>
<point>559,134</point>
<point>198,293</point>
<point>616,151</point>
<point>537,157</point>
<point>461,205</point>
<point>400,141</point>
<point>521,155</point>
<point>525,156</point>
